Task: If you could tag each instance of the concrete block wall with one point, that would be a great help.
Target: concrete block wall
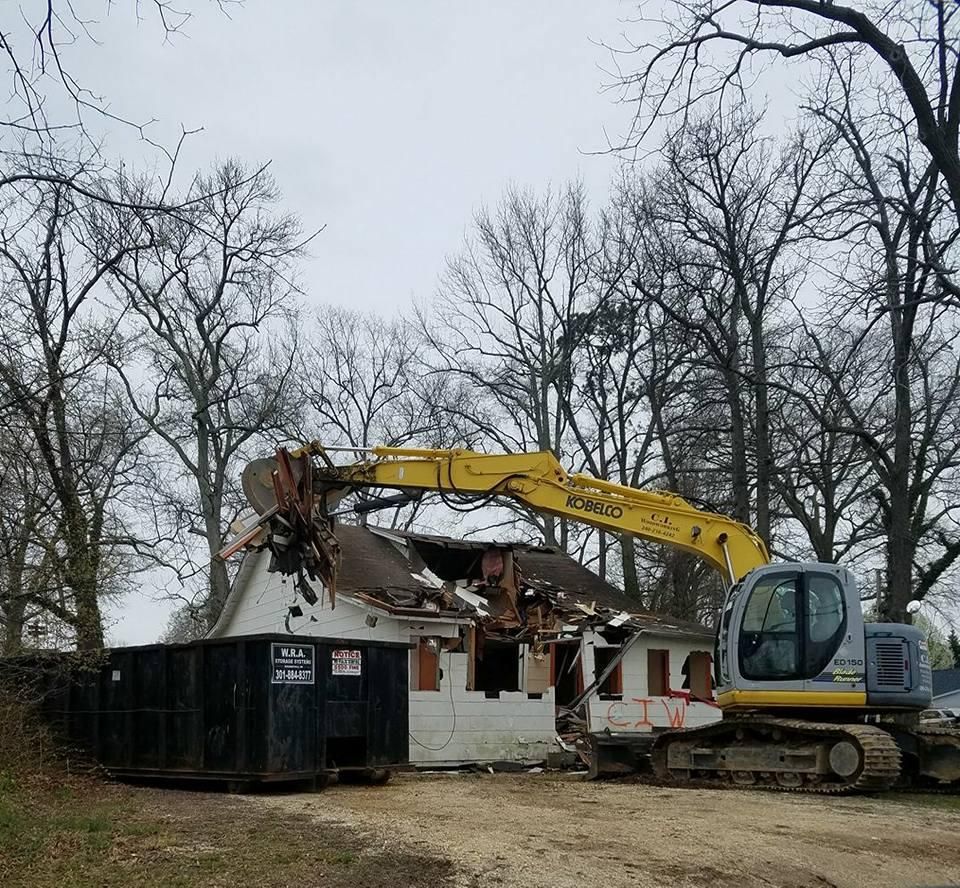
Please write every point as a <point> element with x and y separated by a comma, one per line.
<point>638,710</point>
<point>454,725</point>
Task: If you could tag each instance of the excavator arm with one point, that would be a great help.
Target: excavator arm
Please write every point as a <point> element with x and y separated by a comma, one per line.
<point>307,479</point>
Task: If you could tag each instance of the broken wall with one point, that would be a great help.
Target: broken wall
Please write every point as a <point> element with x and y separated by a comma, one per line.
<point>641,707</point>
<point>261,605</point>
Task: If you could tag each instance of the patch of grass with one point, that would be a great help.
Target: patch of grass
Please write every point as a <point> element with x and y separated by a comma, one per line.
<point>88,834</point>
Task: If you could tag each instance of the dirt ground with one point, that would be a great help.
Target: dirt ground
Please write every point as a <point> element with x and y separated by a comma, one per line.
<point>62,831</point>
<point>562,832</point>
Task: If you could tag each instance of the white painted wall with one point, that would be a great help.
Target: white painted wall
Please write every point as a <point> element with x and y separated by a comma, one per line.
<point>637,710</point>
<point>454,725</point>
<point>263,600</point>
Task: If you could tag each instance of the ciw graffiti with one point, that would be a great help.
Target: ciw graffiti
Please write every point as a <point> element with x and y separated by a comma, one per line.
<point>638,713</point>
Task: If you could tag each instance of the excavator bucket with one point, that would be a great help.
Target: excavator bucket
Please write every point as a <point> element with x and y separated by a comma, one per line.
<point>300,538</point>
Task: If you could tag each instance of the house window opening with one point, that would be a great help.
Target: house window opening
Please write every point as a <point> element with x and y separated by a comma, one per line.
<point>698,675</point>
<point>426,665</point>
<point>612,687</point>
<point>565,675</point>
<point>658,673</point>
<point>497,668</point>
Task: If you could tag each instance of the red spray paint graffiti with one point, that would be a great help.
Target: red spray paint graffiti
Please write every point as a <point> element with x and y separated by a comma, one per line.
<point>623,714</point>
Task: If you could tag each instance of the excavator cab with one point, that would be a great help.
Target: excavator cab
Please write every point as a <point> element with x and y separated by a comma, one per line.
<point>793,636</point>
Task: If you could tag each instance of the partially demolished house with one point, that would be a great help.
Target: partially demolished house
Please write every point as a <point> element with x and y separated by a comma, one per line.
<point>517,650</point>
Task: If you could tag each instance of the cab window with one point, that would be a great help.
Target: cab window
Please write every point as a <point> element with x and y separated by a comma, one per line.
<point>826,622</point>
<point>769,638</point>
<point>792,626</point>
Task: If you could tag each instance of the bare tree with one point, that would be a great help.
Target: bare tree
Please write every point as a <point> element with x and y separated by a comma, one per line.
<point>208,356</point>
<point>363,382</point>
<point>502,319</point>
<point>730,205</point>
<point>49,118</point>
<point>58,404</point>
<point>624,366</point>
<point>364,378</point>
<point>914,44</point>
<point>894,284</point>
<point>824,479</point>
<point>34,43</point>
<point>28,563</point>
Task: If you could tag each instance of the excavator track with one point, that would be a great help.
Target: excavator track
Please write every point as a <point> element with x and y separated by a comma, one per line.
<point>781,754</point>
<point>932,757</point>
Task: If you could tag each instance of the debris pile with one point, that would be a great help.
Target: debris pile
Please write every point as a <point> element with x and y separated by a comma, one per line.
<point>512,591</point>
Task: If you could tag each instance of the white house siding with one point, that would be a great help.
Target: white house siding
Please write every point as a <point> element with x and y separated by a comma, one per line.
<point>454,725</point>
<point>637,710</point>
<point>262,602</point>
<point>263,608</point>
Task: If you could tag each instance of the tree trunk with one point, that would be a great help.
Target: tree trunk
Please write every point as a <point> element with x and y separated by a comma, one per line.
<point>901,545</point>
<point>762,443</point>
<point>550,531</point>
<point>738,446</point>
<point>13,615</point>
<point>219,589</point>
<point>82,576</point>
<point>89,620</point>
<point>219,586</point>
<point>631,582</point>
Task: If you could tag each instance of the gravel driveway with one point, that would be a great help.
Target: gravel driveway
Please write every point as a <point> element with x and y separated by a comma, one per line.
<point>558,831</point>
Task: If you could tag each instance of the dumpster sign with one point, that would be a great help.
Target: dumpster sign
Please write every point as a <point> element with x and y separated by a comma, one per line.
<point>291,664</point>
<point>346,662</point>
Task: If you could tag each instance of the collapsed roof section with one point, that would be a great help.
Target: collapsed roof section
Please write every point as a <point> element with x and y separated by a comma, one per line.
<point>511,590</point>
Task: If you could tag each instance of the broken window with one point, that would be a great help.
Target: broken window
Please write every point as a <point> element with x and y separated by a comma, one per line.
<point>658,672</point>
<point>698,675</point>
<point>612,687</point>
<point>496,668</point>
<point>425,671</point>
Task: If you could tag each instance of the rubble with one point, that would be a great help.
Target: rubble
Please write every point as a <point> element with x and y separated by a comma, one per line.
<point>503,588</point>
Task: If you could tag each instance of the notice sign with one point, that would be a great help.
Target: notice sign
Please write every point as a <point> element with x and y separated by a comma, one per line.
<point>291,664</point>
<point>346,663</point>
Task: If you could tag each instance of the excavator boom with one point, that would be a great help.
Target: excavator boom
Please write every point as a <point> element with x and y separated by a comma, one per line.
<point>536,480</point>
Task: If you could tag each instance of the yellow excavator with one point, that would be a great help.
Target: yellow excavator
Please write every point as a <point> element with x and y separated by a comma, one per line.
<point>812,697</point>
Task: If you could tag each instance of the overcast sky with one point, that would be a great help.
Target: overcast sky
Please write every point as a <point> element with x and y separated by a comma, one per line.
<point>388,122</point>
